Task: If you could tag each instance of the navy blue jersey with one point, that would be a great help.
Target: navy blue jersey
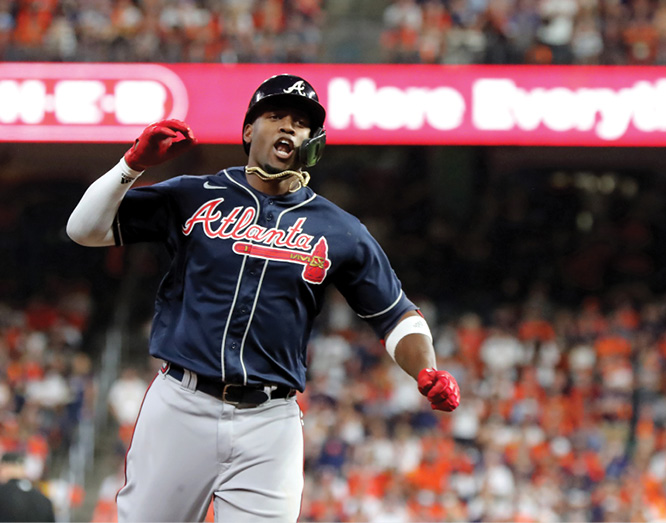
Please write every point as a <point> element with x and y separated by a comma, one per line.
<point>249,271</point>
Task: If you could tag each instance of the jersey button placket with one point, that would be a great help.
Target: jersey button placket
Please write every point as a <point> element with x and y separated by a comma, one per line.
<point>238,323</point>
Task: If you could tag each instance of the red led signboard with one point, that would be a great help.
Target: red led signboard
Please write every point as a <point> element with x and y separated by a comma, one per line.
<point>366,104</point>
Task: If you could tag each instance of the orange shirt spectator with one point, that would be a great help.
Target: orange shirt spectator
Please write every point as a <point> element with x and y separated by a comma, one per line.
<point>536,329</point>
<point>612,346</point>
<point>32,22</point>
<point>432,474</point>
<point>471,335</point>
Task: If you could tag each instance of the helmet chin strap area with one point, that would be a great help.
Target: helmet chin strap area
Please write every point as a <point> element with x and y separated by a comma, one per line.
<point>302,177</point>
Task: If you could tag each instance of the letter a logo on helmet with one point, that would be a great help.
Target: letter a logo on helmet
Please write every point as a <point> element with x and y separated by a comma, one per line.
<point>287,90</point>
<point>299,87</point>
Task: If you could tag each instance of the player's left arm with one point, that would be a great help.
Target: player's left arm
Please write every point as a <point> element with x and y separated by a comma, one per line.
<point>370,284</point>
<point>410,345</point>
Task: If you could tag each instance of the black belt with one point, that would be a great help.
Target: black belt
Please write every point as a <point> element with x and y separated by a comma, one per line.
<point>241,396</point>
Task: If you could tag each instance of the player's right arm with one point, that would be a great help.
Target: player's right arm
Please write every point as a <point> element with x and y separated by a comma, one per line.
<point>91,222</point>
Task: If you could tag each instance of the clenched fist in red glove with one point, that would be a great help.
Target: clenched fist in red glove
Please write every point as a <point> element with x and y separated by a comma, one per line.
<point>440,388</point>
<point>158,143</point>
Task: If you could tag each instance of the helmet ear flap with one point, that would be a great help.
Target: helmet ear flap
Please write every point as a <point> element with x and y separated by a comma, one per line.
<point>312,149</point>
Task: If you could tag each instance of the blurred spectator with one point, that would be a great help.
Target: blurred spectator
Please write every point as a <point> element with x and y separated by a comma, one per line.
<point>557,28</point>
<point>403,20</point>
<point>105,507</point>
<point>125,399</point>
<point>640,34</point>
<point>19,499</point>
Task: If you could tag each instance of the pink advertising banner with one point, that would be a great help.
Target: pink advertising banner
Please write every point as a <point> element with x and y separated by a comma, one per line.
<point>366,104</point>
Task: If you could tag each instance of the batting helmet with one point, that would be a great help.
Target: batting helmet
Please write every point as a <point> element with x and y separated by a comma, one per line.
<point>292,91</point>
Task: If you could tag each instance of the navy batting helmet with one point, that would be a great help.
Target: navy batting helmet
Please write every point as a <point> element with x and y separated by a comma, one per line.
<point>292,91</point>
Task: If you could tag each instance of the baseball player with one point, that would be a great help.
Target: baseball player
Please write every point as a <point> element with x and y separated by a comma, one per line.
<point>253,250</point>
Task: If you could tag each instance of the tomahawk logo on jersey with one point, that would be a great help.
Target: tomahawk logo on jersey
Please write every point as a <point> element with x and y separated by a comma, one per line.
<point>282,250</point>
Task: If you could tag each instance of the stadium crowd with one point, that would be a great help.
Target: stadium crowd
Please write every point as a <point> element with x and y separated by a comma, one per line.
<point>562,420</point>
<point>525,31</point>
<point>160,30</point>
<point>414,31</point>
<point>47,384</point>
<point>564,412</point>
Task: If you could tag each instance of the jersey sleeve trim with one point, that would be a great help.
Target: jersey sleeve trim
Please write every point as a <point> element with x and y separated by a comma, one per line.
<point>376,314</point>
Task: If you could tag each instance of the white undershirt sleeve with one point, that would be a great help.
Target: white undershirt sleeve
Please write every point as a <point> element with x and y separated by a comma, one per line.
<point>91,221</point>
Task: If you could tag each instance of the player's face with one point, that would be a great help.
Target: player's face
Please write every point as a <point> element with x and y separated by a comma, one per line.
<point>274,138</point>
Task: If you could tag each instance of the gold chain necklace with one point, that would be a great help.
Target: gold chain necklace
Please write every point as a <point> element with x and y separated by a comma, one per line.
<point>303,177</point>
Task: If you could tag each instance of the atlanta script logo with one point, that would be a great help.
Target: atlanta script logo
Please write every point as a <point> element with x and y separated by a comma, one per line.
<point>291,245</point>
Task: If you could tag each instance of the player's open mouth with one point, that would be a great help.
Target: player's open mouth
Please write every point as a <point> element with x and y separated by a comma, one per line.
<point>283,148</point>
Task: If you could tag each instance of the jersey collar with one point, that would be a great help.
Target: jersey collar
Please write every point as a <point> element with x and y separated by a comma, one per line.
<point>237,174</point>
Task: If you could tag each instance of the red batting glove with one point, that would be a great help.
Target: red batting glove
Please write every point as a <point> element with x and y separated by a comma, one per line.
<point>158,143</point>
<point>440,388</point>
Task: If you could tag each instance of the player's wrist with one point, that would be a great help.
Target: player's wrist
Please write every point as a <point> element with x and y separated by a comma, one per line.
<point>127,173</point>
